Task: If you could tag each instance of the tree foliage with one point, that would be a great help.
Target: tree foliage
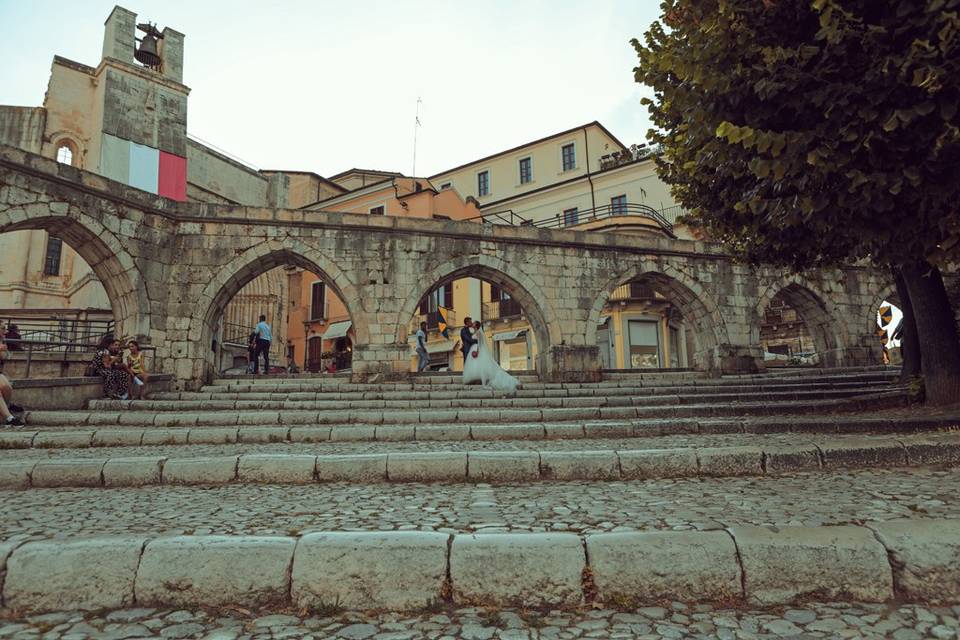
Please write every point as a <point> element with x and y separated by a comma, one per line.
<point>808,133</point>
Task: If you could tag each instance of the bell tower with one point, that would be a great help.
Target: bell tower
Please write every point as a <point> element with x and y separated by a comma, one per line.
<point>143,140</point>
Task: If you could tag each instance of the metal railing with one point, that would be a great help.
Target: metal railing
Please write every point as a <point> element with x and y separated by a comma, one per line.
<point>29,347</point>
<point>53,333</point>
<point>569,220</point>
<point>502,309</point>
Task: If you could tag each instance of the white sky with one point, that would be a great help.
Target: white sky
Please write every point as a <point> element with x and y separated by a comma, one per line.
<point>325,86</point>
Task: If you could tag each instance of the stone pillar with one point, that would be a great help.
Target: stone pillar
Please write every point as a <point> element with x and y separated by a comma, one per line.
<point>737,359</point>
<point>277,187</point>
<point>373,362</point>
<point>118,36</point>
<point>564,363</point>
<point>171,52</point>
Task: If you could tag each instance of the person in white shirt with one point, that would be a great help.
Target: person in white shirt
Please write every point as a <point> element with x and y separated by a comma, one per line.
<point>264,338</point>
<point>423,359</point>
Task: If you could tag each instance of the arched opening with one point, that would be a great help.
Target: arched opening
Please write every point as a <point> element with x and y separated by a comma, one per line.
<point>512,320</point>
<point>795,328</point>
<point>304,306</point>
<point>66,152</point>
<point>884,327</point>
<point>68,280</point>
<point>654,319</point>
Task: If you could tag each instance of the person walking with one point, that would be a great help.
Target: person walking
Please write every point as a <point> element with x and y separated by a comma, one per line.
<point>423,359</point>
<point>264,338</point>
<point>467,339</point>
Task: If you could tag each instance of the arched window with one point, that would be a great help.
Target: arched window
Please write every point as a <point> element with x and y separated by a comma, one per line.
<point>65,154</point>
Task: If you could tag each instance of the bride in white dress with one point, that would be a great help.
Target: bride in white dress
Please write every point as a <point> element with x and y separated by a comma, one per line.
<point>479,366</point>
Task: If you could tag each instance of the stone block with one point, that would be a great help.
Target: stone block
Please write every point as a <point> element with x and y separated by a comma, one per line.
<point>393,570</point>
<point>58,575</point>
<point>17,439</point>
<point>478,415</point>
<point>132,472</point>
<point>507,431</point>
<point>434,416</point>
<point>503,466</point>
<point>298,417</point>
<point>16,475</point>
<point>427,466</point>
<point>351,433</point>
<point>371,417</point>
<point>154,437</point>
<point>263,434</point>
<point>563,430</point>
<point>443,432</point>
<point>517,570</point>
<point>925,556</point>
<point>212,470</point>
<point>218,418</point>
<point>395,432</point>
<point>118,438</point>
<point>689,566</point>
<point>615,429</point>
<point>335,417</point>
<point>260,418</point>
<point>176,419</point>
<point>277,468</point>
<point>62,439</point>
<point>645,464</point>
<point>213,571</point>
<point>520,415</point>
<point>793,564</point>
<point>579,465</point>
<point>730,461</point>
<point>58,418</point>
<point>309,434</point>
<point>352,468</point>
<point>79,472</point>
<point>212,435</point>
<point>563,415</point>
<point>857,452</point>
<point>786,459</point>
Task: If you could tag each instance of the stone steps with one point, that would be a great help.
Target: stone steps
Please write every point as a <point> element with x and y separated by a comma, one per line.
<point>580,392</point>
<point>246,402</point>
<point>762,457</point>
<point>221,415</point>
<point>193,433</point>
<point>360,570</point>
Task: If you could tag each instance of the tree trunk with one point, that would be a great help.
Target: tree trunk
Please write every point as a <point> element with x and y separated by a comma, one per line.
<point>937,333</point>
<point>909,343</point>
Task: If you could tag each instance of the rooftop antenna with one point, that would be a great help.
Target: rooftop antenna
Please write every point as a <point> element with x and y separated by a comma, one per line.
<point>416,125</point>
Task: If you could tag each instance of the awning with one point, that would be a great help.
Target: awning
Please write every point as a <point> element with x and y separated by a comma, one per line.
<point>509,335</point>
<point>337,330</point>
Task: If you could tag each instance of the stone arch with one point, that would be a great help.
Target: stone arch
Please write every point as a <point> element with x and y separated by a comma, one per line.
<point>698,307</point>
<point>888,292</point>
<point>253,262</point>
<point>814,308</point>
<point>108,259</point>
<point>492,269</point>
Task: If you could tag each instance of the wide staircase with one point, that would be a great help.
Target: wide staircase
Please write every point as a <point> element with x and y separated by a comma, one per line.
<point>323,495</point>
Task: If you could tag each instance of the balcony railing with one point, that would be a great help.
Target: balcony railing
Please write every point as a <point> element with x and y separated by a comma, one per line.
<point>569,220</point>
<point>502,309</point>
<point>433,320</point>
<point>633,291</point>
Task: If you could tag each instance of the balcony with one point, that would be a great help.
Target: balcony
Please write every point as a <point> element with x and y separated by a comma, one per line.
<point>633,291</point>
<point>634,153</point>
<point>502,309</point>
<point>433,321</point>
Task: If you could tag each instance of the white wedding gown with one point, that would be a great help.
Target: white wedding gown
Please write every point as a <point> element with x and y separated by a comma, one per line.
<point>480,366</point>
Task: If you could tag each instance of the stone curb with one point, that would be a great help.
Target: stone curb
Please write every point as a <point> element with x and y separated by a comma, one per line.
<point>410,570</point>
<point>187,431</point>
<point>484,466</point>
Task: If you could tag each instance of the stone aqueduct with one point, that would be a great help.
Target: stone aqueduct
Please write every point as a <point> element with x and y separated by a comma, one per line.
<point>170,268</point>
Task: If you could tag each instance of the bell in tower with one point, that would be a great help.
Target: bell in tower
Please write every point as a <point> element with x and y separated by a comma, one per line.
<point>147,53</point>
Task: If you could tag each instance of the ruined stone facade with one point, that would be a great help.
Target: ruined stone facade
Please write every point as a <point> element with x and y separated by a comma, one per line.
<point>170,268</point>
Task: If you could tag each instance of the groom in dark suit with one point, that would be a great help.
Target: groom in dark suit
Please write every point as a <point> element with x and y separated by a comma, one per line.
<point>466,340</point>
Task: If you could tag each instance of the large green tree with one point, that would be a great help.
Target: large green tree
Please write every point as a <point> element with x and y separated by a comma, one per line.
<point>815,133</point>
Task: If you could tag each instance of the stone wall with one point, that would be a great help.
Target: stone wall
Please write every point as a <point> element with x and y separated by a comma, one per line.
<point>171,268</point>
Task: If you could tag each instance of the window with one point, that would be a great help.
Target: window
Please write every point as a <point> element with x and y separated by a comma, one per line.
<point>618,205</point>
<point>526,170</point>
<point>483,183</point>
<point>644,345</point>
<point>65,155</point>
<point>569,157</point>
<point>440,297</point>
<point>445,185</point>
<point>318,295</point>
<point>494,293</point>
<point>377,211</point>
<point>51,263</point>
<point>570,217</point>
<point>314,349</point>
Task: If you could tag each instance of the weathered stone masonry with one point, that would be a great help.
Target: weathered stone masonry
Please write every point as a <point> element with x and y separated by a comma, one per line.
<point>170,268</point>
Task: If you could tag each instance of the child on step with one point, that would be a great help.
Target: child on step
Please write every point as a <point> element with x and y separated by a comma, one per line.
<point>137,368</point>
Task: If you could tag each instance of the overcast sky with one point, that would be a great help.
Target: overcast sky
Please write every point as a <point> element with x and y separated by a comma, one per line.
<point>325,86</point>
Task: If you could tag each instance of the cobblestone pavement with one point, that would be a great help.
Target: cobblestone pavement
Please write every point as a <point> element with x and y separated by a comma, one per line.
<point>807,499</point>
<point>671,620</point>
<point>576,444</point>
